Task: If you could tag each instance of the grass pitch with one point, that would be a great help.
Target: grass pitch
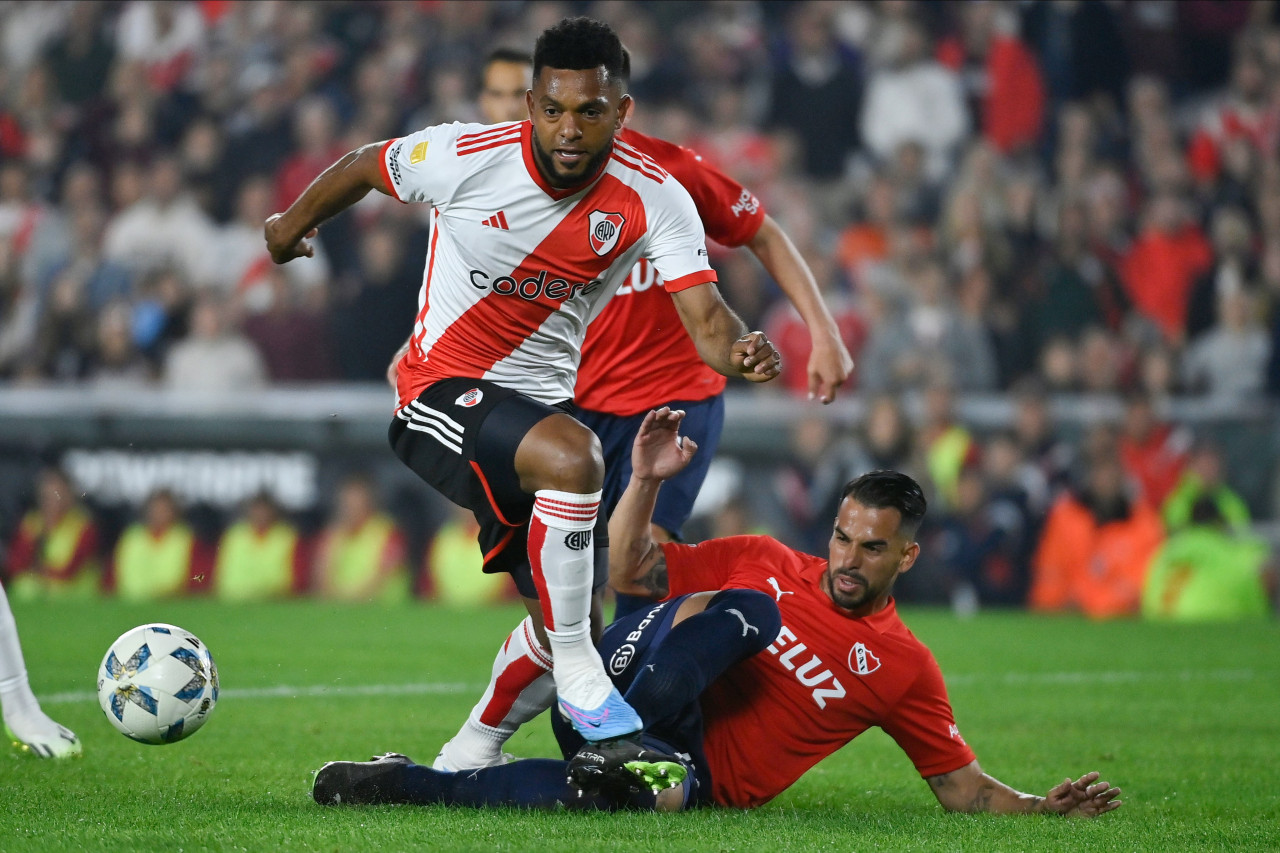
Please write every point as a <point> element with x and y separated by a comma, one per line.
<point>1185,719</point>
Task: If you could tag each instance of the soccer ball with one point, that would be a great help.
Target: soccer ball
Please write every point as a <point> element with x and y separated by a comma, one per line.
<point>157,684</point>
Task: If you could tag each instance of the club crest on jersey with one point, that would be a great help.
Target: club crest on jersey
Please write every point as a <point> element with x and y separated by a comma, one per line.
<point>603,230</point>
<point>469,399</point>
<point>862,661</point>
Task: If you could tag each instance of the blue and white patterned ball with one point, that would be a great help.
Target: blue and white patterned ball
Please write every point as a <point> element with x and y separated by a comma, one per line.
<point>157,683</point>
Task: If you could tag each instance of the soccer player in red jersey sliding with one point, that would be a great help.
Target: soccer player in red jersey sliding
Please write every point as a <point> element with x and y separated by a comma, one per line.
<point>534,226</point>
<point>753,663</point>
<point>612,399</point>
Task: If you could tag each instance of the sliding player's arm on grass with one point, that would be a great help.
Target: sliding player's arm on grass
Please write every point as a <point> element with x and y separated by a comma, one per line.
<point>637,565</point>
<point>970,790</point>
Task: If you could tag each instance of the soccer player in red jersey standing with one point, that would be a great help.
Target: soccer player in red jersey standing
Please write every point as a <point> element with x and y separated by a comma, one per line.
<point>612,399</point>
<point>753,663</point>
<point>534,227</point>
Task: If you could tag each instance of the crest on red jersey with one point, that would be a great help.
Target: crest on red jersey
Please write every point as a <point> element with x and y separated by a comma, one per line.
<point>603,230</point>
<point>862,661</point>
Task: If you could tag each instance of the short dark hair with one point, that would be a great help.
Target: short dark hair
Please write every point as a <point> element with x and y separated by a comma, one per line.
<point>506,54</point>
<point>579,44</point>
<point>890,490</point>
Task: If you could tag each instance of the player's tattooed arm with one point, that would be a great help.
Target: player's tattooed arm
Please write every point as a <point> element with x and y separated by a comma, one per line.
<point>654,581</point>
<point>637,563</point>
<point>971,790</point>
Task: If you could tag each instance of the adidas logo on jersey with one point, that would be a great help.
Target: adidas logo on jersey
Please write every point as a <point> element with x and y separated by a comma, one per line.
<point>498,220</point>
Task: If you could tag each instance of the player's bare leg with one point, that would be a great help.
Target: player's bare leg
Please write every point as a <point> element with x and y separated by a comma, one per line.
<point>559,462</point>
<point>26,724</point>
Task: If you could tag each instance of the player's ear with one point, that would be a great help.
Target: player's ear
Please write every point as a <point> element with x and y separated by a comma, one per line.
<point>624,112</point>
<point>909,557</point>
<point>528,102</point>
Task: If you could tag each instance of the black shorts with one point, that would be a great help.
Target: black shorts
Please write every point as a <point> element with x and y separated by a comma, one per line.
<point>461,436</point>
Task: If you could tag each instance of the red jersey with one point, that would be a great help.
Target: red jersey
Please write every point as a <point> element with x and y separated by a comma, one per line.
<point>826,679</point>
<point>618,339</point>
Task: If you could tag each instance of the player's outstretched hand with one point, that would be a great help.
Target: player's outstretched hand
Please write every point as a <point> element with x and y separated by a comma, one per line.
<point>282,249</point>
<point>829,366</point>
<point>659,452</point>
<point>755,358</point>
<point>1085,797</point>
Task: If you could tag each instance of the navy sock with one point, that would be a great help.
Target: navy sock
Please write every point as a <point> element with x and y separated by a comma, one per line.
<point>736,624</point>
<point>534,783</point>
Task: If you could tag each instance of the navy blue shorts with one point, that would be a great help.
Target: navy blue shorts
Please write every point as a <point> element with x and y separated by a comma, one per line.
<point>626,647</point>
<point>703,422</point>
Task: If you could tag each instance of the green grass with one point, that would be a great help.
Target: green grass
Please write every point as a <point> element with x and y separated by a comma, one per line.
<point>1185,719</point>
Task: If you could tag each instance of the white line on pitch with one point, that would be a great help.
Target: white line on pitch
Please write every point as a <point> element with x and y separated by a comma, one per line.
<point>285,691</point>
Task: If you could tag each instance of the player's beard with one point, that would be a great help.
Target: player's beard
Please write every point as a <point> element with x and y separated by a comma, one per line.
<point>549,166</point>
<point>849,601</point>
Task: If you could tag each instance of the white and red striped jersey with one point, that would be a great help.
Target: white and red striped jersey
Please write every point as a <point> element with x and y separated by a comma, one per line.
<point>515,268</point>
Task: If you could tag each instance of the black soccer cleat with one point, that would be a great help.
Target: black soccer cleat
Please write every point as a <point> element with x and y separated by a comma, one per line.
<point>351,783</point>
<point>621,766</point>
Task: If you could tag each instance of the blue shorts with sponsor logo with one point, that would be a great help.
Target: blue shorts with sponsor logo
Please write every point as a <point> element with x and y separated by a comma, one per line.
<point>626,648</point>
<point>703,422</point>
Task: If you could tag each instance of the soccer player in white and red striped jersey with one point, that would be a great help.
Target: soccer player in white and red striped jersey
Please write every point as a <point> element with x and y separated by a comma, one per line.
<point>612,400</point>
<point>535,225</point>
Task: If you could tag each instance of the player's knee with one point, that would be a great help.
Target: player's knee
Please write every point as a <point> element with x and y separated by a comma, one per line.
<point>561,454</point>
<point>758,612</point>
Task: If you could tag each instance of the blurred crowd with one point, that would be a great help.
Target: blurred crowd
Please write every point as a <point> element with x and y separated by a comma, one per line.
<point>1126,518</point>
<point>64,548</point>
<point>1032,198</point>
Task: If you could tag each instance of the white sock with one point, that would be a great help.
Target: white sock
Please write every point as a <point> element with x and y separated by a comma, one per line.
<point>16,697</point>
<point>520,688</point>
<point>562,555</point>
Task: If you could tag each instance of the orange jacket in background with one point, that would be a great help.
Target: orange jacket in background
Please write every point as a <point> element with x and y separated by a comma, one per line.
<point>1096,569</point>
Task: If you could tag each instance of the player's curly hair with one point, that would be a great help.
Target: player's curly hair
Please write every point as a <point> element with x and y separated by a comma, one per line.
<point>890,489</point>
<point>577,44</point>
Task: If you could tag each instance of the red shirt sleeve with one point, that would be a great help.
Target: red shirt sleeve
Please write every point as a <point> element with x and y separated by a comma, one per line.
<point>731,214</point>
<point>923,724</point>
<point>705,566</point>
